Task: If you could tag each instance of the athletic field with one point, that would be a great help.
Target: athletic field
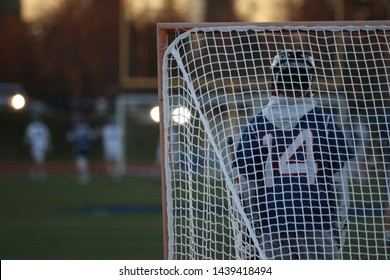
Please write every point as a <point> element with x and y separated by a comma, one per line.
<point>59,219</point>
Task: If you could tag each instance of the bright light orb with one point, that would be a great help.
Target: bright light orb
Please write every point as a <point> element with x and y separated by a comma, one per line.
<point>17,101</point>
<point>181,115</point>
<point>155,114</point>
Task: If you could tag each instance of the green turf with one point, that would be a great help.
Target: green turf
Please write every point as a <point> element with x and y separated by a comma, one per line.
<point>59,219</point>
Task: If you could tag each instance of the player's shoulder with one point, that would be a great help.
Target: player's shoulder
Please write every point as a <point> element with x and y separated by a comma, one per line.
<point>257,121</point>
<point>319,111</point>
<point>319,114</point>
<point>259,118</point>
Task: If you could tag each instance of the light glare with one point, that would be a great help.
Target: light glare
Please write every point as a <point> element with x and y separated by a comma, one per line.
<point>181,115</point>
<point>17,101</point>
<point>155,114</point>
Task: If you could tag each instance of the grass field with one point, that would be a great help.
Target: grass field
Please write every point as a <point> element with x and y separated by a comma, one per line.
<point>105,220</point>
<point>59,219</point>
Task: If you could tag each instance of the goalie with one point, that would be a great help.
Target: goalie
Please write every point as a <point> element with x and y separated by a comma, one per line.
<point>296,157</point>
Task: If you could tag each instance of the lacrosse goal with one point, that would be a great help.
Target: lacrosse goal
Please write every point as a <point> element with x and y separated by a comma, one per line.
<point>215,77</point>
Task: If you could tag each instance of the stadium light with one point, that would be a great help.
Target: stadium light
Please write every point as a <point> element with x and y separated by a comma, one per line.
<point>155,114</point>
<point>181,115</point>
<point>17,101</point>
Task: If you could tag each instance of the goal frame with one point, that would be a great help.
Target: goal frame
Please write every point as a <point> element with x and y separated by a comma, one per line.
<point>165,31</point>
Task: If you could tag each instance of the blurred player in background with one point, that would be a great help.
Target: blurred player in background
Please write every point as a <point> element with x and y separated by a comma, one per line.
<point>385,135</point>
<point>294,155</point>
<point>112,136</point>
<point>37,136</point>
<point>81,136</point>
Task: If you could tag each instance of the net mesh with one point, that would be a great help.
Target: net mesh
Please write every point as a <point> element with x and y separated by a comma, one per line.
<point>215,81</point>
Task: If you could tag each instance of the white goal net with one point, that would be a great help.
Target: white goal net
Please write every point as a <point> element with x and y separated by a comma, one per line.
<point>252,174</point>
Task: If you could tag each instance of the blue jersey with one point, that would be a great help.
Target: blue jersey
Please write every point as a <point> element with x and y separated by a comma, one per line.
<point>293,171</point>
<point>81,137</point>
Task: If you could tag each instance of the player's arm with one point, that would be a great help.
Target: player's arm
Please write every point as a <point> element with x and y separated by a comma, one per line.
<point>248,160</point>
<point>341,156</point>
<point>244,190</point>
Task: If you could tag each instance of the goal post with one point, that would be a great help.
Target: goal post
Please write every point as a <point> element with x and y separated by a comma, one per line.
<point>214,78</point>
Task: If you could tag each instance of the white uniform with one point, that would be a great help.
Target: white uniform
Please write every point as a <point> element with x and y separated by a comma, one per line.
<point>38,137</point>
<point>112,141</point>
